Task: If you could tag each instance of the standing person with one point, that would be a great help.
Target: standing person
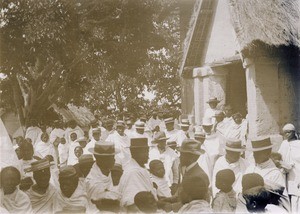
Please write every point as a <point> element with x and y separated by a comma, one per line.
<point>121,142</point>
<point>42,193</point>
<point>58,131</point>
<point>173,134</point>
<point>95,137</point>
<point>228,111</point>
<point>99,180</point>
<point>231,160</point>
<point>169,158</point>
<point>71,196</point>
<point>73,128</point>
<point>13,199</point>
<point>154,122</point>
<point>135,177</point>
<point>140,131</point>
<point>219,125</point>
<point>129,128</point>
<point>108,128</point>
<point>43,147</point>
<point>211,110</point>
<point>33,131</point>
<point>289,150</point>
<point>185,127</point>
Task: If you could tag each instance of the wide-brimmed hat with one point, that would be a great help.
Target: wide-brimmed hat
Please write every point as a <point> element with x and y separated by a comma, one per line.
<point>39,165</point>
<point>191,146</point>
<point>234,145</point>
<point>184,122</point>
<point>139,125</point>
<point>103,149</point>
<point>139,142</point>
<point>159,137</point>
<point>169,120</point>
<point>260,144</point>
<point>213,100</point>
<point>207,121</point>
<point>120,123</point>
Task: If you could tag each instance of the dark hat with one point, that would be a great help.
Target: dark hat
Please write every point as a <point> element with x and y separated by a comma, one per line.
<point>184,122</point>
<point>139,142</point>
<point>213,100</point>
<point>39,165</point>
<point>159,136</point>
<point>261,144</point>
<point>120,123</point>
<point>234,145</point>
<point>191,146</point>
<point>103,149</point>
<point>67,172</point>
<point>86,158</point>
<point>252,180</point>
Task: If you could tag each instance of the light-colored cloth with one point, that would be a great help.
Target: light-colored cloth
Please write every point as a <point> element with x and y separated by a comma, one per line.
<point>72,159</point>
<point>56,133</point>
<point>274,209</point>
<point>210,113</point>
<point>238,168</point>
<point>129,132</point>
<point>175,135</point>
<point>63,152</point>
<point>42,203</point>
<point>225,202</point>
<point>290,152</point>
<point>79,132</point>
<point>214,147</point>
<point>196,206</point>
<point>24,165</point>
<point>105,133</point>
<point>42,149</point>
<point>122,144</point>
<point>205,163</point>
<point>100,186</point>
<point>17,202</point>
<point>33,132</point>
<point>78,199</point>
<point>134,179</point>
<point>163,189</point>
<point>170,160</point>
<point>89,145</point>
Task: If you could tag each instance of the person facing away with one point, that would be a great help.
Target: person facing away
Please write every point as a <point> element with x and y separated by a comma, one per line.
<point>225,200</point>
<point>145,202</point>
<point>159,181</point>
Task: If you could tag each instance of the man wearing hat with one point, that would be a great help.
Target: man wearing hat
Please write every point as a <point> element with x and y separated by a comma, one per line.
<point>185,127</point>
<point>211,110</point>
<point>135,177</point>
<point>95,137</point>
<point>42,193</point>
<point>290,151</point>
<point>121,142</point>
<point>129,127</point>
<point>108,126</point>
<point>139,131</point>
<point>174,135</point>
<point>169,158</point>
<point>72,194</point>
<point>231,160</point>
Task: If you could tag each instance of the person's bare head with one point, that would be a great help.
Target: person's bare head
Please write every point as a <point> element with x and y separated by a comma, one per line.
<point>10,179</point>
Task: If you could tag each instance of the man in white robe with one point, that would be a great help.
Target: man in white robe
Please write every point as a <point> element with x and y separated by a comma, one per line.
<point>108,129</point>
<point>290,151</point>
<point>95,137</point>
<point>173,134</point>
<point>135,178</point>
<point>12,198</point>
<point>57,132</point>
<point>121,142</point>
<point>72,194</point>
<point>33,132</point>
<point>231,160</point>
<point>73,128</point>
<point>129,131</point>
<point>72,158</point>
<point>140,132</point>
<point>43,147</point>
<point>210,112</point>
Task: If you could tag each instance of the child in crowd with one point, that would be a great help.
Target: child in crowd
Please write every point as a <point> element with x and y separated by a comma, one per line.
<point>225,200</point>
<point>145,202</point>
<point>157,171</point>
<point>78,151</point>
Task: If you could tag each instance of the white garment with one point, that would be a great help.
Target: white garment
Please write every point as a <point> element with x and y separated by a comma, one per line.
<point>205,163</point>
<point>33,133</point>
<point>42,149</point>
<point>210,113</point>
<point>171,163</point>
<point>63,152</point>
<point>89,145</point>
<point>56,133</point>
<point>134,179</point>
<point>196,206</point>
<point>72,159</point>
<point>79,132</point>
<point>129,132</point>
<point>163,189</point>
<point>175,135</point>
<point>122,144</point>
<point>214,147</point>
<point>238,168</point>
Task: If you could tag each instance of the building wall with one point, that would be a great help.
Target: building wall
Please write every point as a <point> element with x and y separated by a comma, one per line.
<point>222,42</point>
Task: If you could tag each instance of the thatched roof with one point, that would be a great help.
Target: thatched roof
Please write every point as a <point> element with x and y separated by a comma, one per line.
<point>272,22</point>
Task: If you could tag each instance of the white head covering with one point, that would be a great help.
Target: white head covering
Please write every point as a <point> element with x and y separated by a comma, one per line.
<point>289,127</point>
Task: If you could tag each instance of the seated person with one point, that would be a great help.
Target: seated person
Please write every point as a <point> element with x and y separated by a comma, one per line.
<point>13,199</point>
<point>145,202</point>
<point>158,179</point>
<point>72,195</point>
<point>194,195</point>
<point>84,165</point>
<point>225,200</point>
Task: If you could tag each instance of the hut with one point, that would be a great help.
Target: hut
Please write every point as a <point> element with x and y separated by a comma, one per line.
<point>246,53</point>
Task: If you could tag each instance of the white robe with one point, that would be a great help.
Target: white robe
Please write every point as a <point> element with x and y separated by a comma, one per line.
<point>72,159</point>
<point>122,144</point>
<point>238,168</point>
<point>33,133</point>
<point>63,152</point>
<point>56,133</point>
<point>171,163</point>
<point>89,145</point>
<point>176,136</point>
<point>134,180</point>
<point>79,132</point>
<point>16,202</point>
<point>210,113</point>
<point>42,149</point>
<point>42,203</point>
<point>205,163</point>
<point>214,147</point>
<point>196,206</point>
<point>163,189</point>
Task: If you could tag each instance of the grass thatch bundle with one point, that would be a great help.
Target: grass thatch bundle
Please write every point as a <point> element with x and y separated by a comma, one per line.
<point>275,23</point>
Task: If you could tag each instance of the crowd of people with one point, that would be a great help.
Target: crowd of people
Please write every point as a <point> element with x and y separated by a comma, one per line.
<point>153,165</point>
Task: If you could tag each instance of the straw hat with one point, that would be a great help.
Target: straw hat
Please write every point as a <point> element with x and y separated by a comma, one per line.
<point>191,146</point>
<point>169,120</point>
<point>213,100</point>
<point>139,125</point>
<point>234,145</point>
<point>159,136</point>
<point>39,165</point>
<point>103,149</point>
<point>261,144</point>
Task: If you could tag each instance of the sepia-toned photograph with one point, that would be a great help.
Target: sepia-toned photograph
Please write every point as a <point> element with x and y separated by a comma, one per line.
<point>149,106</point>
